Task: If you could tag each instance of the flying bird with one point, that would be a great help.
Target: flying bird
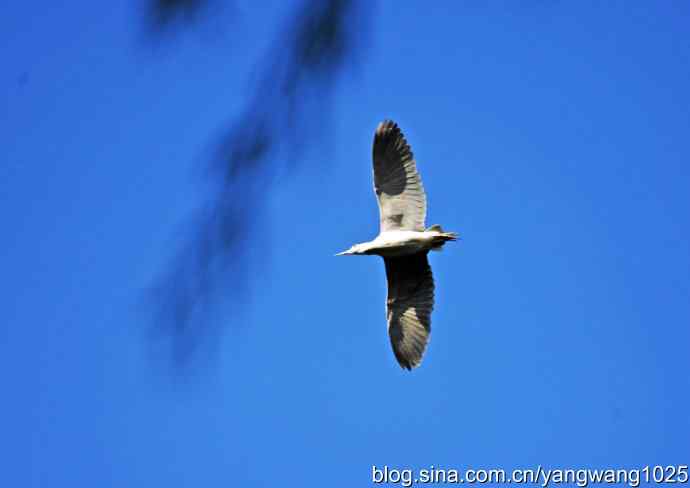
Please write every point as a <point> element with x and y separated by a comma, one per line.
<point>404,243</point>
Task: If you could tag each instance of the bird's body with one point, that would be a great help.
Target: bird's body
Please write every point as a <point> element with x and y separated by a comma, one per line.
<point>397,243</point>
<point>404,243</point>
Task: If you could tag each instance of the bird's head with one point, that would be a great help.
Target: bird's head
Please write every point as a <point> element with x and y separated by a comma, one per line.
<point>356,249</point>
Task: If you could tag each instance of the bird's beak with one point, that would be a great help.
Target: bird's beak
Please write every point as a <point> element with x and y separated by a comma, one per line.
<point>344,253</point>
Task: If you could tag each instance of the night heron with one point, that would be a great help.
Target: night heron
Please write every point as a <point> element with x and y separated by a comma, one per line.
<point>404,243</point>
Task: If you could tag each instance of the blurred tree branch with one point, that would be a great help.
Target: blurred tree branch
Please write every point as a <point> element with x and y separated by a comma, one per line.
<point>163,13</point>
<point>286,108</point>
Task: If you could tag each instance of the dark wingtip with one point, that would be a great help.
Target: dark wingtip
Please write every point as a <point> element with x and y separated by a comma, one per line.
<point>388,134</point>
<point>404,362</point>
<point>408,366</point>
<point>386,127</point>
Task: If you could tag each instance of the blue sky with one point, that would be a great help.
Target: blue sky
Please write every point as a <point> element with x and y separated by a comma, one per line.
<point>552,136</point>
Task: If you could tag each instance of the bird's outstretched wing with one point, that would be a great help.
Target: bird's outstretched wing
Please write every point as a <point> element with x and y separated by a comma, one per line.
<point>409,306</point>
<point>398,186</point>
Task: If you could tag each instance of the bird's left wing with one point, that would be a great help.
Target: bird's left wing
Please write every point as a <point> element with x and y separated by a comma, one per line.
<point>409,306</point>
<point>398,186</point>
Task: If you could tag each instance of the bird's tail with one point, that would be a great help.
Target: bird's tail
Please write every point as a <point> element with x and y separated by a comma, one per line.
<point>442,238</point>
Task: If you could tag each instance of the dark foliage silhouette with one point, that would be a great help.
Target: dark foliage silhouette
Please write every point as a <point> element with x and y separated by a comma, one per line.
<point>285,110</point>
<point>162,14</point>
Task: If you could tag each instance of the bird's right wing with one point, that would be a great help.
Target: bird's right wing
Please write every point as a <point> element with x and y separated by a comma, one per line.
<point>398,186</point>
<point>409,306</point>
